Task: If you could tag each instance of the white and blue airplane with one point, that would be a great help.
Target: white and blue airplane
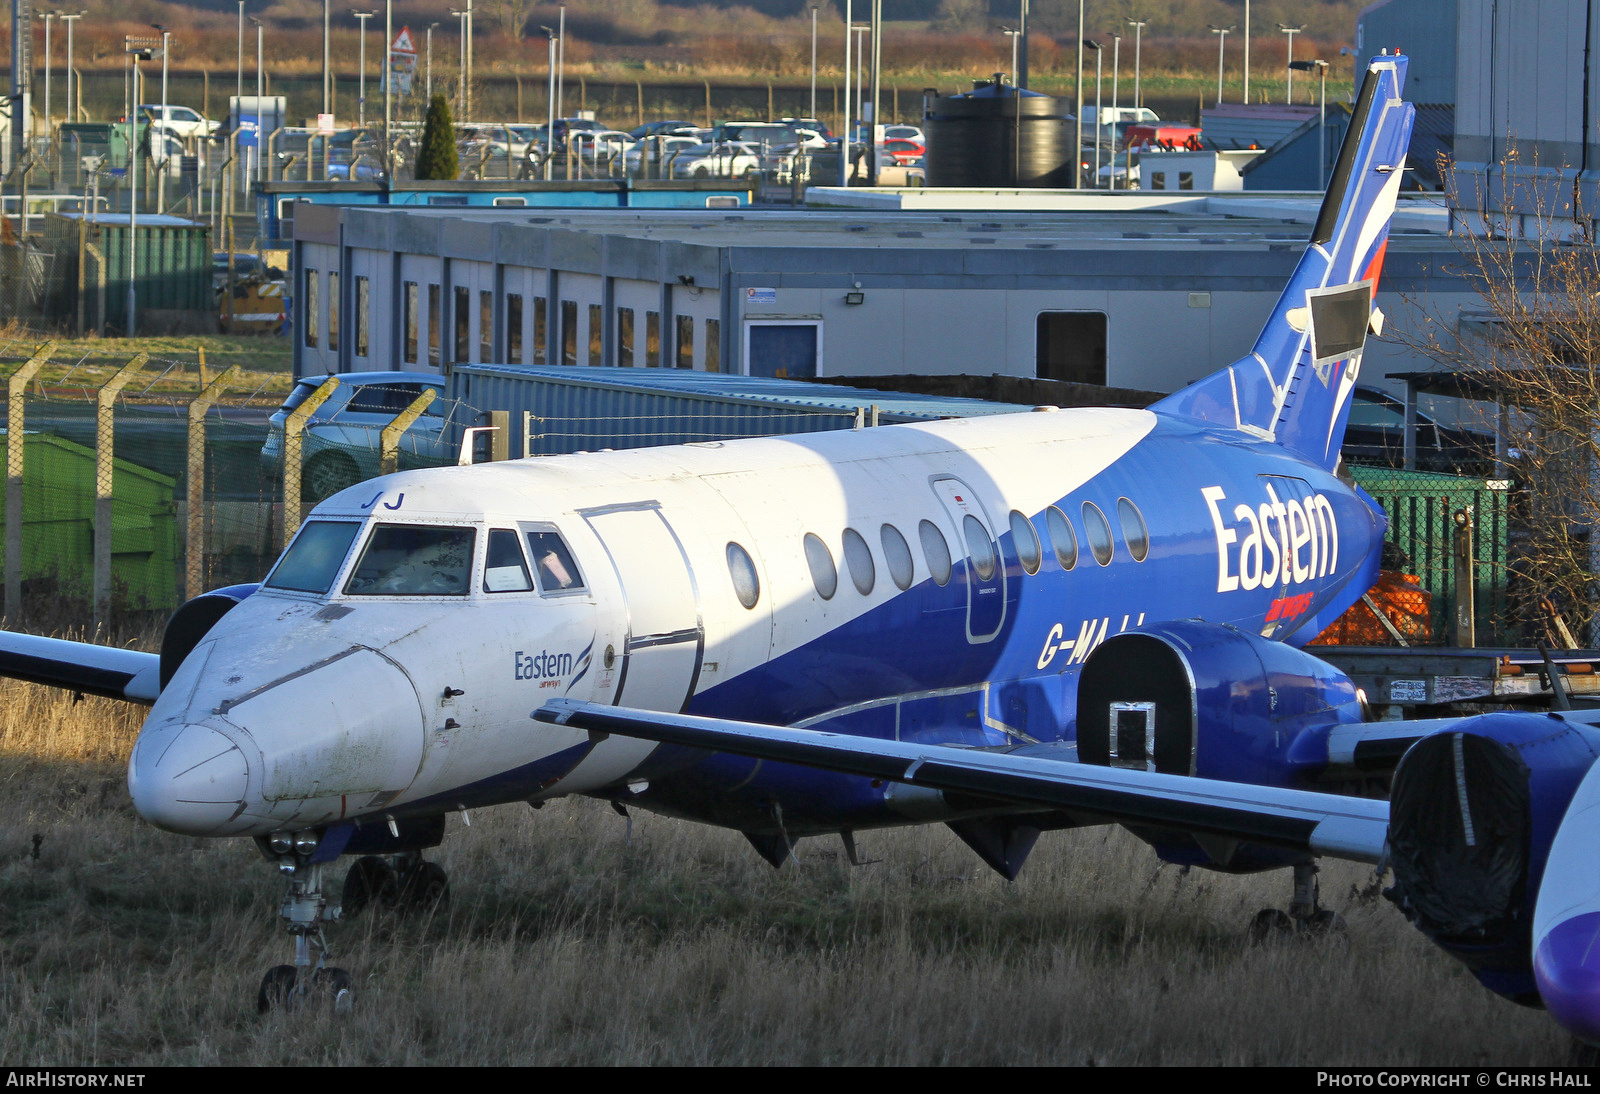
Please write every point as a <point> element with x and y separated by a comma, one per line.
<point>1006,624</point>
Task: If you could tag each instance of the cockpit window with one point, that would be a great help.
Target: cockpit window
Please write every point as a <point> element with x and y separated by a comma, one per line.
<point>558,571</point>
<point>313,559</point>
<point>414,560</point>
<point>505,571</point>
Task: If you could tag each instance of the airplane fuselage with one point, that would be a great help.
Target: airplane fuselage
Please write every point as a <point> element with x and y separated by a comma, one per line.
<point>940,583</point>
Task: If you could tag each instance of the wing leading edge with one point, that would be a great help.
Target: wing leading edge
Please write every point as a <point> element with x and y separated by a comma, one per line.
<point>81,666</point>
<point>1321,824</point>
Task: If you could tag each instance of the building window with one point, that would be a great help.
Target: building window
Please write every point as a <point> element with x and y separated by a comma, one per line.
<point>1071,345</point>
<point>625,337</point>
<point>685,341</point>
<point>433,325</point>
<point>1186,180</point>
<point>569,332</point>
<point>463,323</point>
<point>713,345</point>
<point>410,319</point>
<point>597,327</point>
<point>513,328</point>
<point>363,313</point>
<point>333,309</point>
<point>539,332</point>
<point>485,326</point>
<point>1158,181</point>
<point>310,295</point>
<point>652,339</point>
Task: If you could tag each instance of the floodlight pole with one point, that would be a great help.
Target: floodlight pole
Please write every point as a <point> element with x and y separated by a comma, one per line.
<point>361,80</point>
<point>1138,26</point>
<point>1222,42</point>
<point>1289,66</point>
<point>550,108</point>
<point>813,114</point>
<point>70,20</point>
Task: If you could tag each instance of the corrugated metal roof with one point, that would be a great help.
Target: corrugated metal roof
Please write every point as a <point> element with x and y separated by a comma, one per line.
<point>581,409</point>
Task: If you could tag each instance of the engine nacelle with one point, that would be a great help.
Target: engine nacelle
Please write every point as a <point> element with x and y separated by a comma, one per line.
<point>192,620</point>
<point>1189,697</point>
<point>1473,812</point>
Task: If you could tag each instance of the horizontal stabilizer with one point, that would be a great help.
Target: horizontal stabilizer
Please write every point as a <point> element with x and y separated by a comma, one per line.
<point>1323,824</point>
<point>81,666</point>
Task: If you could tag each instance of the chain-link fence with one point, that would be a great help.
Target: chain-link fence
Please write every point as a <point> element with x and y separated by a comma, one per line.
<point>195,495</point>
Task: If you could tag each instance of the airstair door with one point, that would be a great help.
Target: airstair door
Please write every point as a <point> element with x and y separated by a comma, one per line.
<point>664,639</point>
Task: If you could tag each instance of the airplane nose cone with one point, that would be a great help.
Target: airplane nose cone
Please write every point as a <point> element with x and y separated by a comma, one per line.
<point>192,783</point>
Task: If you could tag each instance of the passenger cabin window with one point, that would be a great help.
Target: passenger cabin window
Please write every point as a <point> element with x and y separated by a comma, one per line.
<point>552,560</point>
<point>1134,529</point>
<point>898,554</point>
<point>936,550</point>
<point>980,548</point>
<point>505,570</point>
<point>858,557</point>
<point>1062,537</point>
<point>414,560</point>
<point>313,559</point>
<point>1026,542</point>
<point>1098,529</point>
<point>742,568</point>
<point>823,572</point>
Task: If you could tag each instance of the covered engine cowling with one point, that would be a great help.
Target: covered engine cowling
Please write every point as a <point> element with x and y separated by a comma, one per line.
<point>190,623</point>
<point>1473,812</point>
<point>1195,698</point>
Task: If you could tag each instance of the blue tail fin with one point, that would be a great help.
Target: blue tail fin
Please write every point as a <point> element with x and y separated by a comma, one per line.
<point>1295,385</point>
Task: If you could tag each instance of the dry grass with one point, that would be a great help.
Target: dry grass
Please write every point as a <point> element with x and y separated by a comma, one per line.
<point>567,944</point>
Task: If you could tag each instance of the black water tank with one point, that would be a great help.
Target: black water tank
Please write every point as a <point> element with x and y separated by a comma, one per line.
<point>998,135</point>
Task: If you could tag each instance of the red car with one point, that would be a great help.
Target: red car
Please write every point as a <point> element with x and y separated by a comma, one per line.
<point>904,152</point>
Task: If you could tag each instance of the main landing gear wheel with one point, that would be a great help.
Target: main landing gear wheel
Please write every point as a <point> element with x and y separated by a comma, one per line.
<point>424,887</point>
<point>370,882</point>
<point>1305,917</point>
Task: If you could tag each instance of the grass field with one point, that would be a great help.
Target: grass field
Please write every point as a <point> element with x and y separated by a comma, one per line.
<point>265,363</point>
<point>566,943</point>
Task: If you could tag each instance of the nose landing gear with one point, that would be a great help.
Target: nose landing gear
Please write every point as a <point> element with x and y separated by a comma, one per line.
<point>290,987</point>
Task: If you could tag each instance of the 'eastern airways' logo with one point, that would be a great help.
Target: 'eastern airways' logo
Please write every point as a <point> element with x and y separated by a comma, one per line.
<point>1282,541</point>
<point>543,665</point>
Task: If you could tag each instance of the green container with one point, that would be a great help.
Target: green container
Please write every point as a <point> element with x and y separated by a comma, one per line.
<point>58,525</point>
<point>108,139</point>
<point>172,271</point>
<point>1422,506</point>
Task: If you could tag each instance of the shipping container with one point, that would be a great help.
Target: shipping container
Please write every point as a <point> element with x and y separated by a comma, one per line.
<point>171,274</point>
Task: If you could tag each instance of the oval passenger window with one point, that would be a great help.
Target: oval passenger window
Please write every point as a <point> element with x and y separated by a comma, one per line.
<point>823,572</point>
<point>858,557</point>
<point>980,548</point>
<point>1026,541</point>
<point>1133,529</point>
<point>898,554</point>
<point>742,568</point>
<point>936,550</point>
<point>1062,537</point>
<point>1098,529</point>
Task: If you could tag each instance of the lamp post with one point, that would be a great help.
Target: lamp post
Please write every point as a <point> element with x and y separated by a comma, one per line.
<point>238,79</point>
<point>844,136</point>
<point>1099,64</point>
<point>327,73</point>
<point>461,63</point>
<point>1077,85</point>
<point>161,171</point>
<point>388,80</point>
<point>860,30</point>
<point>813,114</point>
<point>1222,41</point>
<point>1020,69</point>
<point>1320,67</point>
<point>261,129</point>
<point>48,16</point>
<point>361,81</point>
<point>550,107</point>
<point>1246,97</point>
<point>70,19</point>
<point>1012,32</point>
<point>1289,86</point>
<point>1138,26</point>
<point>430,61</point>
<point>1116,114</point>
<point>561,61</point>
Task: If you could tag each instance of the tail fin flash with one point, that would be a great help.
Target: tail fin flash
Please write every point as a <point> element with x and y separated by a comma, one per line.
<point>1295,385</point>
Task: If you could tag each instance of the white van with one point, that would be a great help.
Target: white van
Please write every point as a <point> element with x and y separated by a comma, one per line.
<point>1127,115</point>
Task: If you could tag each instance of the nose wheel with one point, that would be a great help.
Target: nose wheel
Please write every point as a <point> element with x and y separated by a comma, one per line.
<point>310,981</point>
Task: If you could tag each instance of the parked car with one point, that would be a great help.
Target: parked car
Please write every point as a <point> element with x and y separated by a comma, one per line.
<point>903,133</point>
<point>1376,436</point>
<point>179,120</point>
<point>904,152</point>
<point>341,439</point>
<point>729,159</point>
<point>657,129</point>
<point>646,151</point>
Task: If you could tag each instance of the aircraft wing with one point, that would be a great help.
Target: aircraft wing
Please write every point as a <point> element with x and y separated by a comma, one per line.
<point>81,666</point>
<point>1322,824</point>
